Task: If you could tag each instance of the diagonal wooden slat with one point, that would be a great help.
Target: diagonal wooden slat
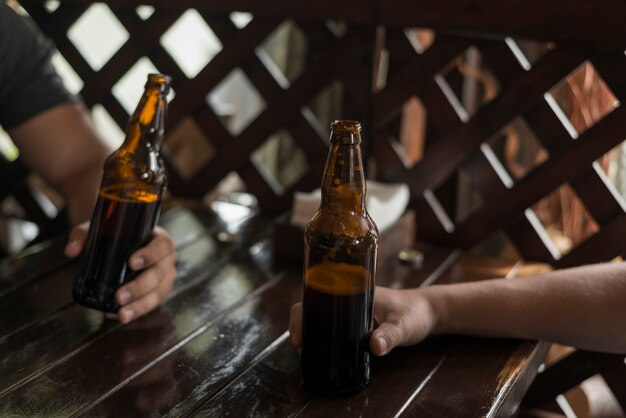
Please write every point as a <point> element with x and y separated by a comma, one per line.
<point>284,107</point>
<point>143,37</point>
<point>450,151</point>
<point>589,147</point>
<point>416,74</point>
<point>234,53</point>
<point>591,186</point>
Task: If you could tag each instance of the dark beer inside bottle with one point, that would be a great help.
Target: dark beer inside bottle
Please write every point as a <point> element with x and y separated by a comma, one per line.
<point>122,223</point>
<point>338,294</point>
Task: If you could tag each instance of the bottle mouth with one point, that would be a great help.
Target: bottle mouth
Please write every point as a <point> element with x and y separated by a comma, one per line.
<point>346,126</point>
<point>345,132</point>
<point>163,81</point>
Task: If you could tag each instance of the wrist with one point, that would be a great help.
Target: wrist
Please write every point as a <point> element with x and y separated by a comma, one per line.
<point>439,310</point>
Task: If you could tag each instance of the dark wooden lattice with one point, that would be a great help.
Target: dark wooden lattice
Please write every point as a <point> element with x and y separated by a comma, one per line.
<point>456,140</point>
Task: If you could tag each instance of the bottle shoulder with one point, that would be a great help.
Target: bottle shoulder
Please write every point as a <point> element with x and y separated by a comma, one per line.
<point>137,167</point>
<point>344,223</point>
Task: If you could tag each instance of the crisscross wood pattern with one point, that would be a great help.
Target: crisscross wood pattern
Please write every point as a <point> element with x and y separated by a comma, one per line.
<point>458,141</point>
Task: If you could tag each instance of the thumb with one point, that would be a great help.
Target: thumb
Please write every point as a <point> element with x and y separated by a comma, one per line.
<point>384,338</point>
<point>76,240</point>
<point>295,325</point>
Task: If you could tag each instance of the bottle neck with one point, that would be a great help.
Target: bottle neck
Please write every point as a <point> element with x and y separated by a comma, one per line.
<point>146,126</point>
<point>343,183</point>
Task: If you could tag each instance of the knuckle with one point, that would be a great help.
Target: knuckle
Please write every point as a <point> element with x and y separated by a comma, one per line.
<point>149,302</point>
<point>143,284</point>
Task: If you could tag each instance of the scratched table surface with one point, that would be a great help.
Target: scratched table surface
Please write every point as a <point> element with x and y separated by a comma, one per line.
<point>219,345</point>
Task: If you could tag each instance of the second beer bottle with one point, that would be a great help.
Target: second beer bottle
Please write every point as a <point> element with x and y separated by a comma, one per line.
<point>127,209</point>
<point>341,243</point>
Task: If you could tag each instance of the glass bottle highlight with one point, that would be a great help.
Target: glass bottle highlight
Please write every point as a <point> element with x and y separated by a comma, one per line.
<point>341,243</point>
<point>129,201</point>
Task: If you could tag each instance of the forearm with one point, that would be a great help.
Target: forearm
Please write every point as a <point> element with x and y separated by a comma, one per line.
<point>81,192</point>
<point>584,307</point>
<point>63,147</point>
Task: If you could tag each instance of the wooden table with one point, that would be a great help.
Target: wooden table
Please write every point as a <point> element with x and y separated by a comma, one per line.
<point>219,345</point>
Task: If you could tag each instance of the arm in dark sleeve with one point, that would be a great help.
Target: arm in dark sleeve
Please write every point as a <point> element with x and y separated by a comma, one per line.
<point>29,84</point>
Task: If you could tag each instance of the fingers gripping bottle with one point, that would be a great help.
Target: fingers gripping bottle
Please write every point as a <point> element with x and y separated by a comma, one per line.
<point>129,200</point>
<point>341,243</point>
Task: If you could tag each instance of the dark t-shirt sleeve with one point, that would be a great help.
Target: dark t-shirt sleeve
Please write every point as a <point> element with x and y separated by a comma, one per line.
<point>29,84</point>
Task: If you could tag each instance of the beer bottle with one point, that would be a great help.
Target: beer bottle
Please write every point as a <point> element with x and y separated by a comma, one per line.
<point>341,243</point>
<point>133,183</point>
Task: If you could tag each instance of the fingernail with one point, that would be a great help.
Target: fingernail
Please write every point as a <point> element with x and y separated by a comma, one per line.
<point>137,263</point>
<point>123,297</point>
<point>127,315</point>
<point>383,344</point>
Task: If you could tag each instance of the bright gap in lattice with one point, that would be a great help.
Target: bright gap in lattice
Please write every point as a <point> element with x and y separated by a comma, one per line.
<point>51,5</point>
<point>337,27</point>
<point>191,42</point>
<point>189,147</point>
<point>420,39</point>
<point>241,19</point>
<point>144,11</point>
<point>71,80</point>
<point>565,218</point>
<point>236,101</point>
<point>581,99</point>
<point>129,88</point>
<point>327,105</point>
<point>98,35</point>
<point>284,63</point>
<point>106,126</point>
<point>611,168</point>
<point>280,161</point>
<point>518,150</point>
<point>518,53</point>
<point>7,147</point>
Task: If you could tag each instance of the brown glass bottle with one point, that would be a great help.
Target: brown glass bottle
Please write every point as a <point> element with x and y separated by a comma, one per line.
<point>341,243</point>
<point>133,183</point>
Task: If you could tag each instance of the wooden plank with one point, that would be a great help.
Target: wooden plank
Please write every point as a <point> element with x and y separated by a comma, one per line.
<point>69,384</point>
<point>271,387</point>
<point>194,372</point>
<point>498,372</point>
<point>32,263</point>
<point>60,334</point>
<point>28,305</point>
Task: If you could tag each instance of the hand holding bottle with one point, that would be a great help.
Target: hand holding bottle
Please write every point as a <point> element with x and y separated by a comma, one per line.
<point>156,261</point>
<point>401,318</point>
